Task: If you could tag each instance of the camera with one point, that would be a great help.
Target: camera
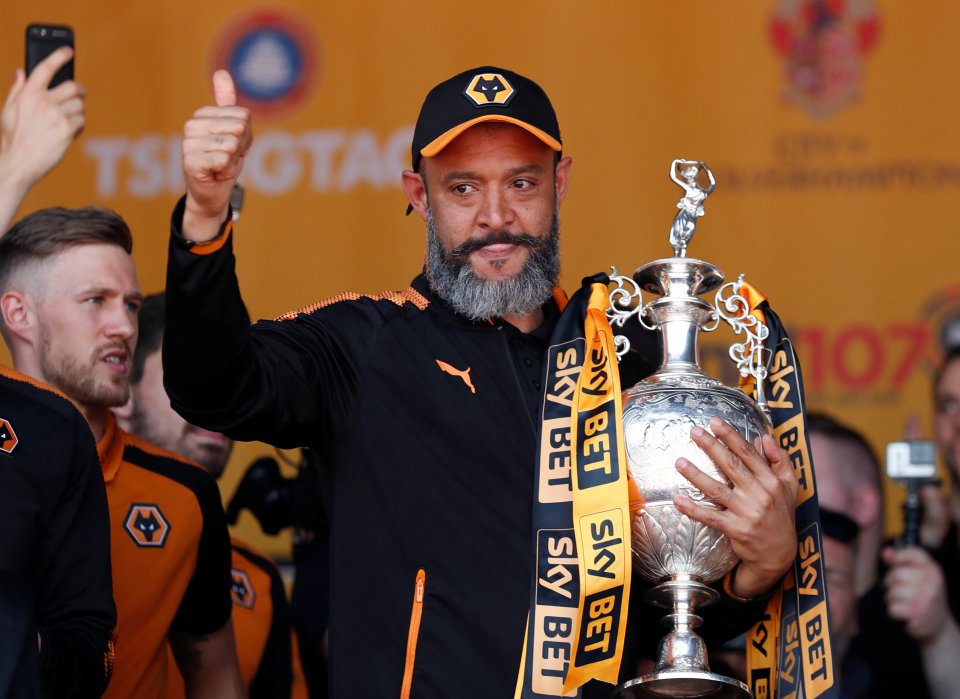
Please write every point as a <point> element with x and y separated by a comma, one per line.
<point>912,460</point>
<point>914,464</point>
<point>278,502</point>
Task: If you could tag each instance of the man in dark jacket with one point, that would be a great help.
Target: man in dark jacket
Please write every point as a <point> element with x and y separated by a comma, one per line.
<point>425,404</point>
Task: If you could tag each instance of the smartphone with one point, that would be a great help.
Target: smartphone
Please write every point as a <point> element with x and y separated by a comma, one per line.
<point>44,39</point>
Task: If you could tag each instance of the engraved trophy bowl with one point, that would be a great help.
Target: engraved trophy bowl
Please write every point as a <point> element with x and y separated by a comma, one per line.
<point>680,555</point>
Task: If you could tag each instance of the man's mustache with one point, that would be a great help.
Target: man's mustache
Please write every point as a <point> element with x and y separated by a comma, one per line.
<point>502,237</point>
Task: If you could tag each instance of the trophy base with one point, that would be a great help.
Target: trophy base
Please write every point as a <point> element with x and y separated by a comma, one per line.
<point>658,685</point>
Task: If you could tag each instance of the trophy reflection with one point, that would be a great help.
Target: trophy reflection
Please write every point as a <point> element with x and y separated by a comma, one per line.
<point>680,555</point>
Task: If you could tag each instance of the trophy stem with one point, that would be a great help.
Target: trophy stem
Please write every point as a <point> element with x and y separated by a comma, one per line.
<point>679,314</point>
<point>680,349</point>
<point>682,668</point>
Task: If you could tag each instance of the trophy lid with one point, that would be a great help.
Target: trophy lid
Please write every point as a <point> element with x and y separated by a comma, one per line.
<point>678,276</point>
<point>678,314</point>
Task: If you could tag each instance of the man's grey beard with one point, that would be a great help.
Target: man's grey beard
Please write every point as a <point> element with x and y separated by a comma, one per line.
<point>452,278</point>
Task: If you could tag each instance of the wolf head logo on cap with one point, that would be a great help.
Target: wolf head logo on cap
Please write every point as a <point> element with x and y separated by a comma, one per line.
<point>489,89</point>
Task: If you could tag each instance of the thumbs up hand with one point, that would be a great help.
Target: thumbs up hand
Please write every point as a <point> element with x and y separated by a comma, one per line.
<point>215,142</point>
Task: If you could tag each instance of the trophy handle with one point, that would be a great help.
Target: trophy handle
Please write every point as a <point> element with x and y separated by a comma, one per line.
<point>750,356</point>
<point>626,301</point>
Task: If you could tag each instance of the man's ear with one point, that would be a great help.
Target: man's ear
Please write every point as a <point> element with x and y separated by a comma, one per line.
<point>18,316</point>
<point>416,191</point>
<point>562,178</point>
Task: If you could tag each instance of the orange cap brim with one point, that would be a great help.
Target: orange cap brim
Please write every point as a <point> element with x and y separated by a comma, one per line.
<point>443,140</point>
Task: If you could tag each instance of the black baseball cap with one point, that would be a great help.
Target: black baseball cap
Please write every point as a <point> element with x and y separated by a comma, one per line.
<point>478,95</point>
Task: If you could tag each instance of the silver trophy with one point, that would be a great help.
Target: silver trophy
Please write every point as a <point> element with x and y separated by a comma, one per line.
<point>682,555</point>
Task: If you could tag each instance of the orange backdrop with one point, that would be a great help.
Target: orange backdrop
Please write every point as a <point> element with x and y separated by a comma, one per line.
<point>832,136</point>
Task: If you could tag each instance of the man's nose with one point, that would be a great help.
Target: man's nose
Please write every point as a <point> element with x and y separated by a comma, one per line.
<point>122,322</point>
<point>495,211</point>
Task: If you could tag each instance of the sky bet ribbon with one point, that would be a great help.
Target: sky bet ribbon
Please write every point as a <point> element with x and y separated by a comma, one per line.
<point>581,515</point>
<point>790,646</point>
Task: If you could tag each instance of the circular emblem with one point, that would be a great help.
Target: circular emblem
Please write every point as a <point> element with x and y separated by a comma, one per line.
<point>941,314</point>
<point>273,59</point>
<point>823,45</point>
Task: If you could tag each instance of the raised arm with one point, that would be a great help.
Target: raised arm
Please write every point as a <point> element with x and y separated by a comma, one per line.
<point>287,382</point>
<point>710,177</point>
<point>37,127</point>
<point>673,172</point>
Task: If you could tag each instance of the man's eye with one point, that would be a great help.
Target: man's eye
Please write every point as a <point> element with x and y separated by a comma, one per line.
<point>94,300</point>
<point>948,406</point>
<point>522,184</point>
<point>463,188</point>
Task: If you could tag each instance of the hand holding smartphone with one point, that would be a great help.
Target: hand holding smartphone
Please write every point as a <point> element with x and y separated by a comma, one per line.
<point>42,115</point>
<point>44,39</point>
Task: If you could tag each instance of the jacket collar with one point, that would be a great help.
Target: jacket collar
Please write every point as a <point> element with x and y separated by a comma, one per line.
<point>110,448</point>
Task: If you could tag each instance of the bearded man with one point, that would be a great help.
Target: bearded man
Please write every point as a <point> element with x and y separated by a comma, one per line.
<point>425,405</point>
<point>69,296</point>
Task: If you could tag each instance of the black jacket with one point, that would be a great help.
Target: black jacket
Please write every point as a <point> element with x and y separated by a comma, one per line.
<point>54,548</point>
<point>426,423</point>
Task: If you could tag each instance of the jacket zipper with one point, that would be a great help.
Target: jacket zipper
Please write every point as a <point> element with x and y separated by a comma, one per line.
<point>414,633</point>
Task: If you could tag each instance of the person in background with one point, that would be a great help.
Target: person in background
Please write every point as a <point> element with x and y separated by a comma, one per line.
<point>57,614</point>
<point>849,481</point>
<point>923,582</point>
<point>261,623</point>
<point>898,613</point>
<point>69,297</point>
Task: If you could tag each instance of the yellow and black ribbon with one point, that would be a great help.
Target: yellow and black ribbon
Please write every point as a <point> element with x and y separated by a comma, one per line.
<point>790,646</point>
<point>581,532</point>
